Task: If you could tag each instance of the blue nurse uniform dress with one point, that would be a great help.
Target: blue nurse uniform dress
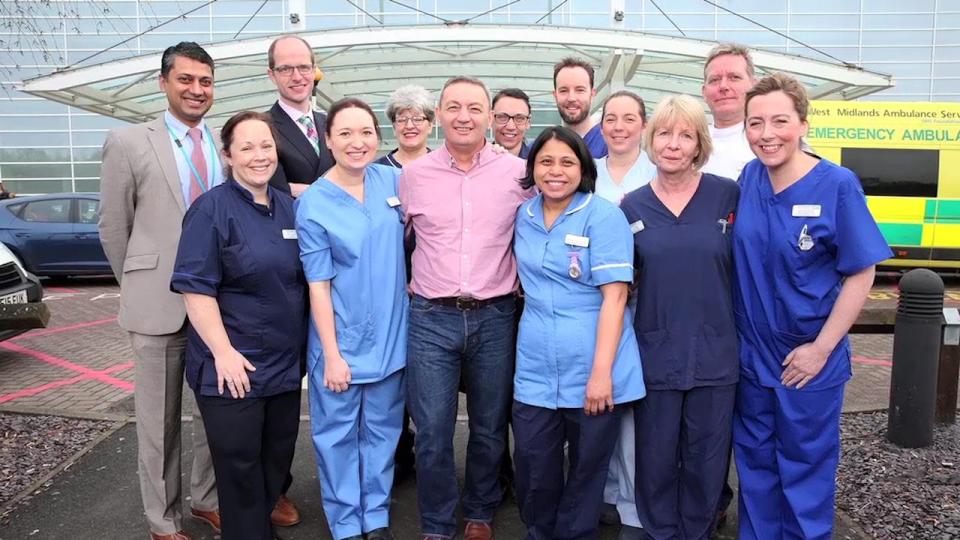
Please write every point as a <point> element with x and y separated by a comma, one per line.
<point>245,255</point>
<point>358,247</point>
<point>792,251</point>
<point>555,351</point>
<point>685,327</point>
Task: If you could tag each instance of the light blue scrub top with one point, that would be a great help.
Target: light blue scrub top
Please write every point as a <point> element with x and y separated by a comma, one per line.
<point>639,175</point>
<point>558,329</point>
<point>786,285</point>
<point>359,248</point>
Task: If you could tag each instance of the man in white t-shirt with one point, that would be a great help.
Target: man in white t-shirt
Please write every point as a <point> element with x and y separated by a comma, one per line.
<point>727,76</point>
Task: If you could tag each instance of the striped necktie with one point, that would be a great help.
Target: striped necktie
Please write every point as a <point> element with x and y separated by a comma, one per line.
<point>312,135</point>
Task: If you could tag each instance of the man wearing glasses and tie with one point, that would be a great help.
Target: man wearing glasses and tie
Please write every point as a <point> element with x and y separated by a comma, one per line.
<point>302,153</point>
<point>511,120</point>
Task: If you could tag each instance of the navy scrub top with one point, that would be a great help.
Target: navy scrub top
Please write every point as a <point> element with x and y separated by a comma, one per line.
<point>246,256</point>
<point>684,319</point>
<point>792,250</point>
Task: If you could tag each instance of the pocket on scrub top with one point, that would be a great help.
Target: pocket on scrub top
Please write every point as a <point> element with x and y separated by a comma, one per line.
<point>356,339</point>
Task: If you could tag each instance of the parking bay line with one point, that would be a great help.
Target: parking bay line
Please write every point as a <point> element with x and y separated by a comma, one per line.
<point>60,362</point>
<point>27,392</point>
<point>59,329</point>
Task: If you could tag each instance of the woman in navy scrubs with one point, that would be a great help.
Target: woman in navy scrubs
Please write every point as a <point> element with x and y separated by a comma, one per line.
<point>351,243</point>
<point>577,358</point>
<point>682,227</point>
<point>239,271</point>
<point>805,247</point>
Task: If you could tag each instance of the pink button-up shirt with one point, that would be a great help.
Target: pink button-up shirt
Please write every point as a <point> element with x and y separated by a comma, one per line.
<point>463,222</point>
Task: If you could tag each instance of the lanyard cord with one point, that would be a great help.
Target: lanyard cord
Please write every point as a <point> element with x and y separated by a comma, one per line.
<point>193,169</point>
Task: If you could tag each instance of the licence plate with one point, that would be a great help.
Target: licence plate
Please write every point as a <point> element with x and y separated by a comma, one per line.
<point>19,297</point>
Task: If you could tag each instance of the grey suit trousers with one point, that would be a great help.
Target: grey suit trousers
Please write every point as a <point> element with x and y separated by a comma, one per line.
<point>158,392</point>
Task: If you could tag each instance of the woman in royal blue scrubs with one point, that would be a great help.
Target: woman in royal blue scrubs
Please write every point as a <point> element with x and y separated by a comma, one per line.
<point>682,224</point>
<point>351,245</point>
<point>238,269</point>
<point>805,247</point>
<point>577,358</point>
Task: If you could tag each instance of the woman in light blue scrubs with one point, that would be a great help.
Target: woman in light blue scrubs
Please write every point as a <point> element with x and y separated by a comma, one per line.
<point>351,246</point>
<point>625,168</point>
<point>805,247</point>
<point>577,357</point>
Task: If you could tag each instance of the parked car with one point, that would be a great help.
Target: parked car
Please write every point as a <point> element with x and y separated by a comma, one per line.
<point>54,235</point>
<point>21,298</point>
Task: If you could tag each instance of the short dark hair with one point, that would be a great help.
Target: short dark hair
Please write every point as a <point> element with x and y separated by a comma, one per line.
<point>226,132</point>
<point>515,93</point>
<point>273,46</point>
<point>348,103</point>
<point>569,137</point>
<point>572,62</point>
<point>629,94</point>
<point>186,49</point>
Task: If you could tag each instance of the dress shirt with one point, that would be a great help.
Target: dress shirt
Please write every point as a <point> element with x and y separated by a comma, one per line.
<point>179,136</point>
<point>295,115</point>
<point>463,222</point>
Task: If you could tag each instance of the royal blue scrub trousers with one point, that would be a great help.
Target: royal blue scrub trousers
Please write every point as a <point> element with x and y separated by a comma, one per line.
<point>252,441</point>
<point>681,448</point>
<point>553,508</point>
<point>787,446</point>
<point>355,434</point>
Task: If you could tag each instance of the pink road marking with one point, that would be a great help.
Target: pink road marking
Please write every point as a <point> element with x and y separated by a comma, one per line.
<point>871,361</point>
<point>61,290</point>
<point>60,362</point>
<point>27,392</point>
<point>57,330</point>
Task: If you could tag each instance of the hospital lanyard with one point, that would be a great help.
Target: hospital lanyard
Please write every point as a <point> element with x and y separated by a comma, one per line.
<point>193,169</point>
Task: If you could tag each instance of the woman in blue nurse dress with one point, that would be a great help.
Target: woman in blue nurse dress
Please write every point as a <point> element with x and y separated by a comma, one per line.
<point>351,247</point>
<point>578,363</point>
<point>805,247</point>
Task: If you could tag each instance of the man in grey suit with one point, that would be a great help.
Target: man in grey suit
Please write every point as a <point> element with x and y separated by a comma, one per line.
<point>151,173</point>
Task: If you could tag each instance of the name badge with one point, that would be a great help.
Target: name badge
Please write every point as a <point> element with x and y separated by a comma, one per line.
<point>576,241</point>
<point>806,210</point>
<point>289,234</point>
<point>636,226</point>
<point>393,202</point>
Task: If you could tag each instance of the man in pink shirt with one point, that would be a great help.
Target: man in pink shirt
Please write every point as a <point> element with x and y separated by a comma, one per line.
<point>461,200</point>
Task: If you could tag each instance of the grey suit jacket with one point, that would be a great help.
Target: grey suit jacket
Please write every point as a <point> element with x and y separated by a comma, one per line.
<point>141,211</point>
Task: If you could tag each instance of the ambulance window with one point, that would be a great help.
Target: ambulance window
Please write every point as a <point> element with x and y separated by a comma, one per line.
<point>894,173</point>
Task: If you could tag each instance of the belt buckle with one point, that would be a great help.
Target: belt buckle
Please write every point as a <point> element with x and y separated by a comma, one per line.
<point>464,303</point>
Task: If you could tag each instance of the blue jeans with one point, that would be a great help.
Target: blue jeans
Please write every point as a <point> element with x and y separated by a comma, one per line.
<point>444,345</point>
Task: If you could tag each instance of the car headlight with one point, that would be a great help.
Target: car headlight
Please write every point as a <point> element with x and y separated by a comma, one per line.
<point>7,256</point>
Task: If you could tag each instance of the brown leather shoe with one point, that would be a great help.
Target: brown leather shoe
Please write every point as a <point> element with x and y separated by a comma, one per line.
<point>285,513</point>
<point>210,517</point>
<point>179,535</point>
<point>477,530</point>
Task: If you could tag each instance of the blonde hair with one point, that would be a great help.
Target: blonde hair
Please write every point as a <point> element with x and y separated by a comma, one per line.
<point>680,108</point>
<point>789,85</point>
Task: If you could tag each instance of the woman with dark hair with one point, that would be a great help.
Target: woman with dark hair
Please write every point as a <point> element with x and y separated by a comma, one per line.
<point>238,270</point>
<point>351,245</point>
<point>577,356</point>
<point>804,250</point>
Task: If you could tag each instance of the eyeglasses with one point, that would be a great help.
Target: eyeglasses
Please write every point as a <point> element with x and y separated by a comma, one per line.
<point>417,121</point>
<point>286,71</point>
<point>518,119</point>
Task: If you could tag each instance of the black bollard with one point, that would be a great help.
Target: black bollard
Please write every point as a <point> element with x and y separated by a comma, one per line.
<point>916,353</point>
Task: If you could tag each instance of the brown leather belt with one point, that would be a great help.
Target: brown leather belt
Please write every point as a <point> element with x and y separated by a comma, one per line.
<point>464,303</point>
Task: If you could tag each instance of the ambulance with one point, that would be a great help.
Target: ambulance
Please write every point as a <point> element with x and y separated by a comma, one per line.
<point>907,156</point>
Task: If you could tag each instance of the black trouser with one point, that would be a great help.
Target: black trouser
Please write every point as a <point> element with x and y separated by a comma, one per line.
<point>252,442</point>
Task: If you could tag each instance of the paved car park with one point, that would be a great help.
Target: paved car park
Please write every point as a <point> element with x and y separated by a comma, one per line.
<point>81,366</point>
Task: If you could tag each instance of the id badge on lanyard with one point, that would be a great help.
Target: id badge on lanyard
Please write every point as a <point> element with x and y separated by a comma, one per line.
<point>213,156</point>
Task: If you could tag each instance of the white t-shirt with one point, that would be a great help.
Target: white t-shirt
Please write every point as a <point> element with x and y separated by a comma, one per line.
<point>731,152</point>
<point>640,174</point>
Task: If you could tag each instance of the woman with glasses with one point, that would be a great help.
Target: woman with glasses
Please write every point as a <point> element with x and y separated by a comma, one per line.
<point>410,109</point>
